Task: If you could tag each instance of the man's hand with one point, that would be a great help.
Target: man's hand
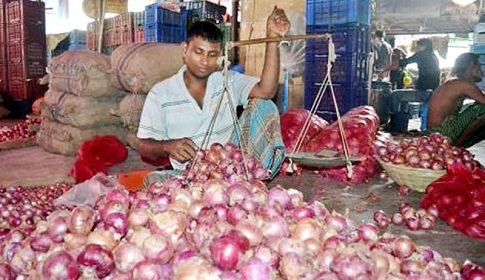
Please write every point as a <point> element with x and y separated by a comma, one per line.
<point>182,150</point>
<point>278,24</point>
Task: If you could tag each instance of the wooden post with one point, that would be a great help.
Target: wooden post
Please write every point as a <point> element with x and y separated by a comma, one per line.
<point>101,12</point>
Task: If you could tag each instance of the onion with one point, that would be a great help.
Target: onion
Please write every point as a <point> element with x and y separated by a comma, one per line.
<point>117,222</point>
<point>23,261</point>
<point>238,192</point>
<point>138,218</point>
<point>411,267</point>
<point>148,270</point>
<point>113,207</point>
<point>41,243</point>
<point>226,253</point>
<point>368,232</point>
<point>170,223</point>
<point>267,255</point>
<point>58,228</point>
<point>81,220</point>
<point>102,237</point>
<point>98,258</point>
<point>6,272</point>
<point>158,248</point>
<point>336,221</point>
<point>252,232</point>
<point>74,242</point>
<point>403,247</point>
<point>215,192</point>
<point>293,266</point>
<point>255,269</point>
<point>349,265</point>
<point>127,256</point>
<point>60,265</point>
<point>235,214</point>
<point>161,202</point>
<point>275,227</point>
<point>278,195</point>
<point>307,229</point>
<point>397,219</point>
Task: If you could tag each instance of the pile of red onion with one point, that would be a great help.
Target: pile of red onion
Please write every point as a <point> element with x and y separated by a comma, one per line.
<point>23,207</point>
<point>21,131</point>
<point>226,162</point>
<point>292,123</point>
<point>215,229</point>
<point>413,219</point>
<point>429,152</point>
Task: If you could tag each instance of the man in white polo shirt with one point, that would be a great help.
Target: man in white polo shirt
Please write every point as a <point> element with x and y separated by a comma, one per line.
<point>178,111</point>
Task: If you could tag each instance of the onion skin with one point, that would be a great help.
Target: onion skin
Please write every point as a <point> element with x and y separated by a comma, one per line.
<point>99,258</point>
<point>81,220</point>
<point>60,265</point>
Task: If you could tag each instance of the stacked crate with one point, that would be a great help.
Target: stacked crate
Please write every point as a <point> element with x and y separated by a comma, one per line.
<point>164,25</point>
<point>139,27</point>
<point>117,31</point>
<point>3,52</point>
<point>348,21</point>
<point>26,50</point>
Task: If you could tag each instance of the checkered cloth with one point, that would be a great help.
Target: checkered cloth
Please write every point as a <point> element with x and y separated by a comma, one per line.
<point>261,130</point>
<point>454,125</point>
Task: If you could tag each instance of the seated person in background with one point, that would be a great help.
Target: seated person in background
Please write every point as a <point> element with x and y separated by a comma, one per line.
<point>178,111</point>
<point>464,125</point>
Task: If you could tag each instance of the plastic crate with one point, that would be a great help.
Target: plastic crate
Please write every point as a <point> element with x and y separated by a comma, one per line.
<point>79,46</point>
<point>126,35</point>
<point>77,37</point>
<point>20,51</point>
<point>123,20</point>
<point>139,34</point>
<point>156,14</point>
<point>478,48</point>
<point>22,90</point>
<point>323,12</point>
<point>138,19</point>
<point>347,97</point>
<point>28,11</point>
<point>3,79</point>
<point>350,68</point>
<point>347,38</point>
<point>204,10</point>
<point>26,71</point>
<point>164,33</point>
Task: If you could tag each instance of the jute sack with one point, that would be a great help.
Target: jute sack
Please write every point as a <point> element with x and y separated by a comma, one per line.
<point>65,139</point>
<point>130,109</point>
<point>83,73</point>
<point>83,112</point>
<point>139,66</point>
<point>132,140</point>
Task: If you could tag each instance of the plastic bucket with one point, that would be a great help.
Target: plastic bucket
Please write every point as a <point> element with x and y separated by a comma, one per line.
<point>399,122</point>
<point>380,92</point>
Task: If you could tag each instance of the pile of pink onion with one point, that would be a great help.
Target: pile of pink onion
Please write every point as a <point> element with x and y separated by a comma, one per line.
<point>216,229</point>
<point>226,162</point>
<point>413,219</point>
<point>21,131</point>
<point>429,152</point>
<point>23,207</point>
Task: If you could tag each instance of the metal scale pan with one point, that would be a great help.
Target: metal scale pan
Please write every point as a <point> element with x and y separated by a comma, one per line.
<point>322,159</point>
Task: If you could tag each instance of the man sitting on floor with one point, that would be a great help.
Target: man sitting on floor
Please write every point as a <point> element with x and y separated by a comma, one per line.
<point>463,124</point>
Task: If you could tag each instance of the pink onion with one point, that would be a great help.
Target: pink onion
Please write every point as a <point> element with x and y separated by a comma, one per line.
<point>278,195</point>
<point>138,218</point>
<point>252,232</point>
<point>81,220</point>
<point>225,253</point>
<point>58,228</point>
<point>302,212</point>
<point>275,227</point>
<point>117,222</point>
<point>215,192</point>
<point>6,272</point>
<point>403,247</point>
<point>127,256</point>
<point>158,248</point>
<point>41,243</point>
<point>350,266</point>
<point>255,269</point>
<point>148,270</point>
<point>161,202</point>
<point>74,242</point>
<point>368,232</point>
<point>238,192</point>
<point>98,258</point>
<point>336,221</point>
<point>60,265</point>
<point>169,223</point>
<point>307,229</point>
<point>235,214</point>
<point>102,237</point>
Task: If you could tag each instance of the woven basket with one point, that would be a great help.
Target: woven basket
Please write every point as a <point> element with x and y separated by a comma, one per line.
<point>416,179</point>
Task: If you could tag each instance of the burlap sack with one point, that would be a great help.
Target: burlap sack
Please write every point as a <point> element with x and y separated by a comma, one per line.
<point>130,110</point>
<point>64,139</point>
<point>83,73</point>
<point>139,66</point>
<point>132,140</point>
<point>83,112</point>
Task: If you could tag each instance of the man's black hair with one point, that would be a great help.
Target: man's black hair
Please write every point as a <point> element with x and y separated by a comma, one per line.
<point>463,62</point>
<point>380,34</point>
<point>426,43</point>
<point>205,30</point>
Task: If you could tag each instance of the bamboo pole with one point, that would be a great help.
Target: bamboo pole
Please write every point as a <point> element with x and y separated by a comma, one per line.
<point>102,9</point>
<point>277,39</point>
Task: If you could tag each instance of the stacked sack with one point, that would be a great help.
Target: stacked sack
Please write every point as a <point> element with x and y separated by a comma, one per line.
<point>79,102</point>
<point>136,68</point>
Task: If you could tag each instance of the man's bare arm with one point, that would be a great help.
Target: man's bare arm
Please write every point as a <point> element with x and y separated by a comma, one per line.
<point>473,92</point>
<point>181,150</point>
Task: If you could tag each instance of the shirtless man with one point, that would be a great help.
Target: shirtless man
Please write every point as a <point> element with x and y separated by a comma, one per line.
<point>464,125</point>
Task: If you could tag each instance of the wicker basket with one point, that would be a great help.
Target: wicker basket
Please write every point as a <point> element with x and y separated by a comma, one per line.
<point>416,179</point>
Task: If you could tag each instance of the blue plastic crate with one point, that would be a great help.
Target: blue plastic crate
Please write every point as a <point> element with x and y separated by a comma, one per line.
<point>165,33</point>
<point>77,46</point>
<point>205,10</point>
<point>478,48</point>
<point>347,38</point>
<point>76,36</point>
<point>323,12</point>
<point>155,14</point>
<point>350,68</point>
<point>347,96</point>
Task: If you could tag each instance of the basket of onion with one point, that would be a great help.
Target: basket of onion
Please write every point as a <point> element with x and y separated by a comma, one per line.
<point>418,162</point>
